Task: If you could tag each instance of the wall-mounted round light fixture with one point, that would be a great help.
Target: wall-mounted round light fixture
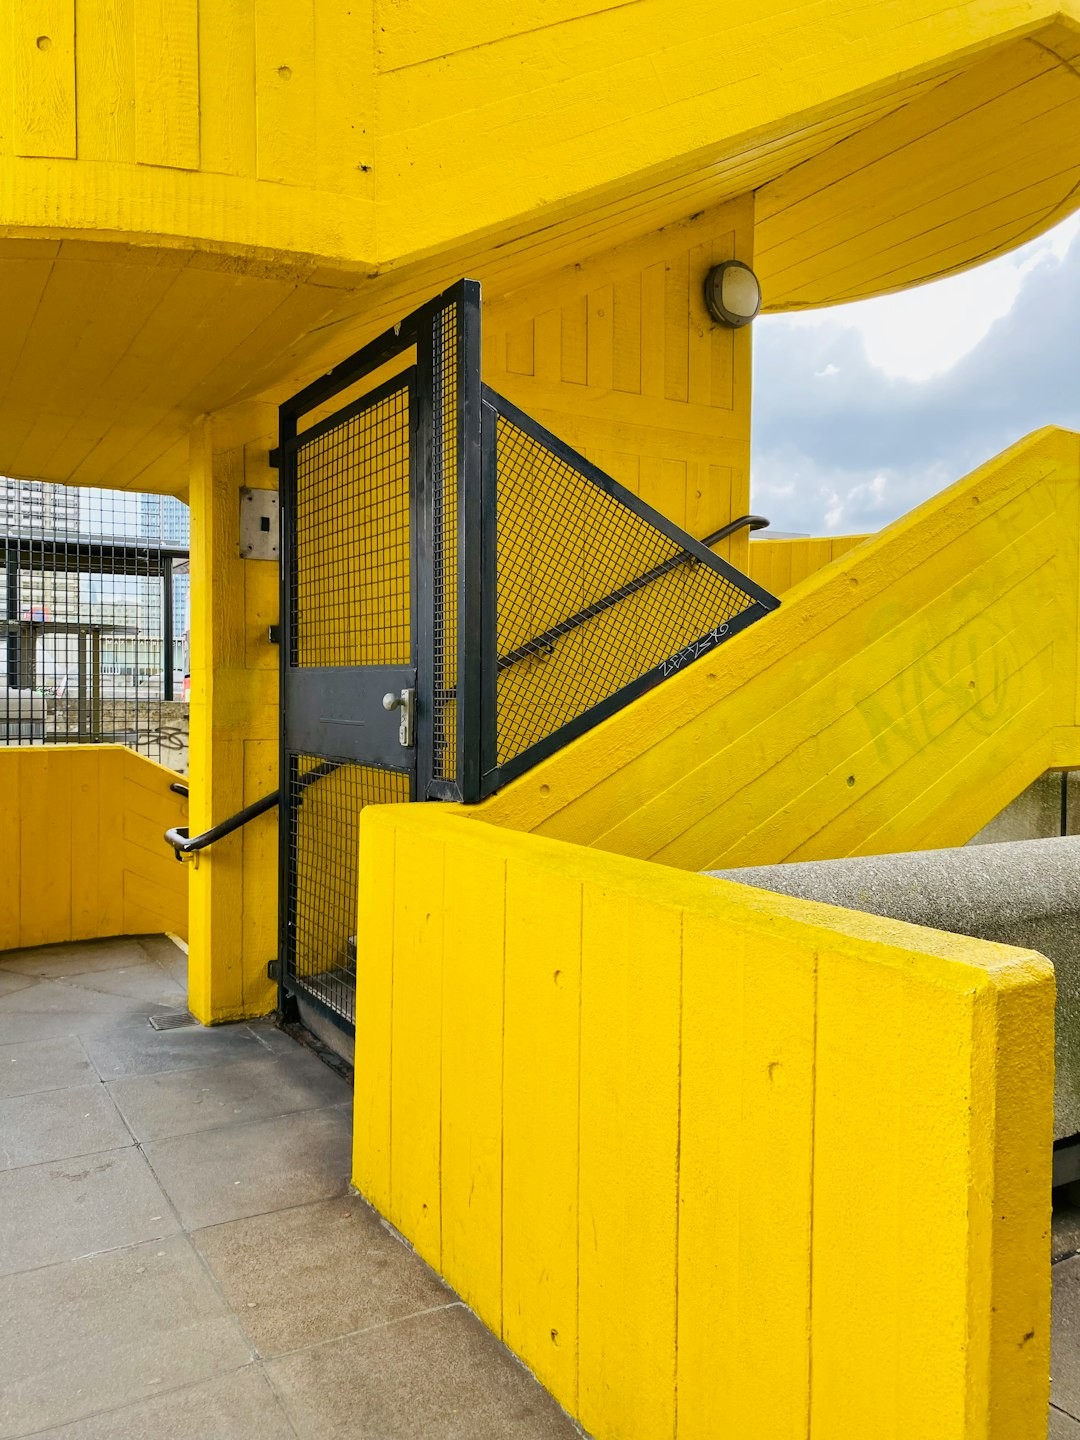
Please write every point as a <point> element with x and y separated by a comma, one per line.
<point>732,294</point>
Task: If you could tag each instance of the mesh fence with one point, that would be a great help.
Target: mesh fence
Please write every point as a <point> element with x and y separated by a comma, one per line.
<point>444,499</point>
<point>350,577</point>
<point>326,798</point>
<point>93,619</point>
<point>351,606</point>
<point>591,596</point>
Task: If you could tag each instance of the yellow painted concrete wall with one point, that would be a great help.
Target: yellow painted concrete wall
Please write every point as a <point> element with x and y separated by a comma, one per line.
<point>619,357</point>
<point>245,122</point>
<point>626,1112</point>
<point>234,722</point>
<point>780,564</point>
<point>898,699</point>
<point>380,129</point>
<point>228,195</point>
<point>82,852</point>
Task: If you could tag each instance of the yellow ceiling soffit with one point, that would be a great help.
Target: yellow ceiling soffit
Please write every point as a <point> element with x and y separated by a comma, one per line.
<point>972,168</point>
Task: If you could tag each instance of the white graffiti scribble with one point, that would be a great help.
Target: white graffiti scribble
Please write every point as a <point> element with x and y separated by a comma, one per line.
<point>694,651</point>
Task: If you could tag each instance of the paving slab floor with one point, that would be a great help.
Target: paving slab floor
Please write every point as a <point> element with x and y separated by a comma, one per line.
<point>180,1256</point>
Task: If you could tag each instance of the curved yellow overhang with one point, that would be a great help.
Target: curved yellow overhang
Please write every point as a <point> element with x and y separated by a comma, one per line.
<point>984,160</point>
<point>202,199</point>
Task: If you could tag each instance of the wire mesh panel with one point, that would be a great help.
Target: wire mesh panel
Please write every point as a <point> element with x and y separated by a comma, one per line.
<point>595,592</point>
<point>93,619</point>
<point>348,632</point>
<point>351,572</point>
<point>326,798</point>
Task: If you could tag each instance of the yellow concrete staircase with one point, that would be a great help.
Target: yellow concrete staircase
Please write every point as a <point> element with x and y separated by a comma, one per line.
<point>900,697</point>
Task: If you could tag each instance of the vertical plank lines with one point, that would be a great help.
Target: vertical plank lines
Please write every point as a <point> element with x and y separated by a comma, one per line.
<point>43,44</point>
<point>167,83</point>
<point>619,356</point>
<point>540,1122</point>
<point>285,90</point>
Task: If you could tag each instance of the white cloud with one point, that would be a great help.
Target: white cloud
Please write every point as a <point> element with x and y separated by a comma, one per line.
<point>849,431</point>
<point>924,332</point>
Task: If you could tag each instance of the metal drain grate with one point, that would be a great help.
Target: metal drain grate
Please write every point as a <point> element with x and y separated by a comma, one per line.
<point>172,1020</point>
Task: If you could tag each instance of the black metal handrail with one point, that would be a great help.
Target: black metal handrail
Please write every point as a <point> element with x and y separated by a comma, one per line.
<point>185,844</point>
<point>744,522</point>
<point>542,644</point>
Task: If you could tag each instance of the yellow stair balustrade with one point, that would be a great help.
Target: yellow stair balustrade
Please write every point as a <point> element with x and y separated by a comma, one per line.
<point>81,853</point>
<point>779,564</point>
<point>712,1161</point>
<point>899,698</point>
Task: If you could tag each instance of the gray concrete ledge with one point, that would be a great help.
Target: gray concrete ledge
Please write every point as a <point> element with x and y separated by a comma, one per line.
<point>1024,893</point>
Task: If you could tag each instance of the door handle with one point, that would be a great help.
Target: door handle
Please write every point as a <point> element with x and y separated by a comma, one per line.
<point>406,703</point>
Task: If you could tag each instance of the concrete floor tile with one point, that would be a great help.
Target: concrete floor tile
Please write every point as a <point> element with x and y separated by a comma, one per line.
<point>441,1375</point>
<point>182,1102</point>
<point>134,1047</point>
<point>276,1040</point>
<point>149,984</point>
<point>59,1124</point>
<point>336,1269</point>
<point>10,981</point>
<point>67,1208</point>
<point>44,1065</point>
<point>240,1406</point>
<point>220,1175</point>
<point>53,1008</point>
<point>168,955</point>
<point>110,1330</point>
<point>1065,1341</point>
<point>59,962</point>
<point>1062,1426</point>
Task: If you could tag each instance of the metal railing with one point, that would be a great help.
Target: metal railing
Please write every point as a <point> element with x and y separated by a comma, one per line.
<point>93,598</point>
<point>185,844</point>
<point>544,595</point>
<point>557,529</point>
<point>543,644</point>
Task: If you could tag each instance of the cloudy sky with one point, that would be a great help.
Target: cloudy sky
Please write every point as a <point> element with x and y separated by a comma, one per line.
<point>862,411</point>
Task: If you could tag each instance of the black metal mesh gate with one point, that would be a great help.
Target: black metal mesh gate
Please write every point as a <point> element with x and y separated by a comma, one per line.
<point>347,641</point>
<point>445,553</point>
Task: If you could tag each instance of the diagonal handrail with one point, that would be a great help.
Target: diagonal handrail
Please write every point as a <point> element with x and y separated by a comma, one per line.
<point>185,844</point>
<point>543,643</point>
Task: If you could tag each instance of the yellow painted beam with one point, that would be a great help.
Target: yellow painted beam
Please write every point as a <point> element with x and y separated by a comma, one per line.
<point>672,1071</point>
<point>234,723</point>
<point>978,161</point>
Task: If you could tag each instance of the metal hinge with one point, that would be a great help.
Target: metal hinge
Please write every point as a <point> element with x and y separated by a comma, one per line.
<point>406,703</point>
